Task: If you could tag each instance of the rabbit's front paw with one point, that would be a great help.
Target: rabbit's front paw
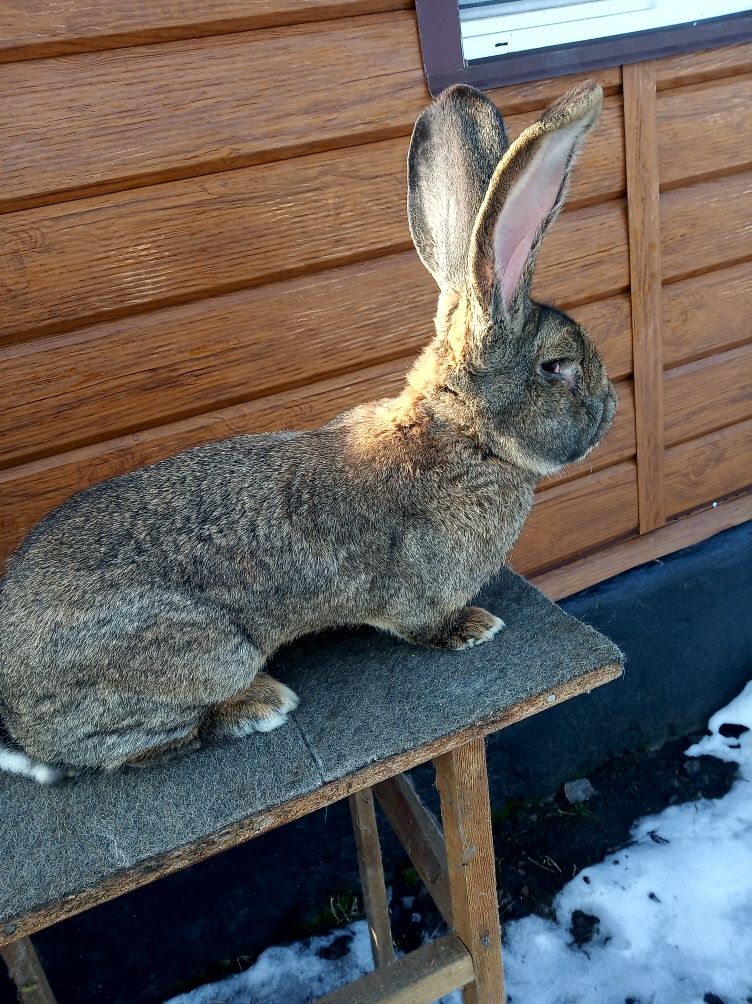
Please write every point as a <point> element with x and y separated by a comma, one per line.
<point>474,627</point>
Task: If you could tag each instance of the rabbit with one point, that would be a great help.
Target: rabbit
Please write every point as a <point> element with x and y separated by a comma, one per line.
<point>137,618</point>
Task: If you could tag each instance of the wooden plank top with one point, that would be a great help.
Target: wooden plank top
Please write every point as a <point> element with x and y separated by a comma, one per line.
<point>30,30</point>
<point>371,706</point>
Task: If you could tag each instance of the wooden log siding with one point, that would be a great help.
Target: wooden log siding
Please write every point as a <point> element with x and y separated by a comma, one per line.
<point>199,238</point>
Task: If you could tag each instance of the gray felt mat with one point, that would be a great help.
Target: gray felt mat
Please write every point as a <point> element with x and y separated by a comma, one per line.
<point>365,696</point>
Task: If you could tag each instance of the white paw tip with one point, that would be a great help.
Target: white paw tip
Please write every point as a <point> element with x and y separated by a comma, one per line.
<point>498,625</point>
<point>488,634</point>
<point>271,722</point>
<point>290,699</point>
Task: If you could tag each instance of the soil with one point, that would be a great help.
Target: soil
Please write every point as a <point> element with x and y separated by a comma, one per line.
<point>540,846</point>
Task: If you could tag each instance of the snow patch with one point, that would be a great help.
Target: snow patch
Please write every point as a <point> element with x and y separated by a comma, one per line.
<point>674,907</point>
<point>665,920</point>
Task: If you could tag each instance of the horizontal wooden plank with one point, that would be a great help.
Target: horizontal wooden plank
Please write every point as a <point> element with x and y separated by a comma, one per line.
<point>31,30</point>
<point>584,256</point>
<point>615,558</point>
<point>708,394</point>
<point>96,383</point>
<point>273,817</point>
<point>420,977</point>
<point>618,444</point>
<point>185,239</point>
<point>538,93</point>
<point>99,382</point>
<point>132,251</point>
<point>706,313</point>
<point>29,491</point>
<point>708,468</point>
<point>104,122</point>
<point>694,67</point>
<point>706,225</point>
<point>703,130</point>
<point>571,519</point>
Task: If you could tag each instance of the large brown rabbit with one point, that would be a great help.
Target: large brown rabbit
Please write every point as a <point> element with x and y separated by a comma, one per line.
<point>137,617</point>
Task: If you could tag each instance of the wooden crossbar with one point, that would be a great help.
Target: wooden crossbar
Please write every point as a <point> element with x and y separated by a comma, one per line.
<point>419,833</point>
<point>418,978</point>
<point>458,868</point>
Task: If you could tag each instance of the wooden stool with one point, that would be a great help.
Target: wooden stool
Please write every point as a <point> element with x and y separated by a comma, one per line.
<point>372,707</point>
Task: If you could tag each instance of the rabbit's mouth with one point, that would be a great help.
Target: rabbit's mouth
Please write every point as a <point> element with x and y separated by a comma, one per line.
<point>608,410</point>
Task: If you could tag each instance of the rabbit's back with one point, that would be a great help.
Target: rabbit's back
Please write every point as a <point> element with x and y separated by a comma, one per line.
<point>159,593</point>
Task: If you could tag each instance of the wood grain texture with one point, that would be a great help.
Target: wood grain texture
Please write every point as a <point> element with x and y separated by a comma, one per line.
<point>271,818</point>
<point>704,130</point>
<point>89,124</point>
<point>708,394</point>
<point>66,391</point>
<point>645,275</point>
<point>695,67</point>
<point>609,324</point>
<point>375,902</point>
<point>420,977</point>
<point>705,314</point>
<point>462,780</point>
<point>420,834</point>
<point>107,121</point>
<point>584,572</point>
<point>96,383</point>
<point>31,30</point>
<point>27,972</point>
<point>574,518</point>
<point>584,256</point>
<point>708,468</point>
<point>110,256</point>
<point>538,93</point>
<point>706,225</point>
<point>600,172</point>
<point>28,491</point>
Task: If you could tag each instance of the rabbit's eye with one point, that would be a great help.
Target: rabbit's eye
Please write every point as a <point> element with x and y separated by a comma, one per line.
<point>560,371</point>
<point>553,365</point>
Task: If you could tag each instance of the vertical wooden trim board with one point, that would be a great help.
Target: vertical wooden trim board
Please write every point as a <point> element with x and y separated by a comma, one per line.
<point>641,150</point>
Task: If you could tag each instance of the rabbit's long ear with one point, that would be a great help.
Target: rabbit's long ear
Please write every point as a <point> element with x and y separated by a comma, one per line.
<point>525,196</point>
<point>456,144</point>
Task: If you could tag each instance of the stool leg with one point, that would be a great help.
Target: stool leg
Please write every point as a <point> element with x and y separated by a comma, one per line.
<point>26,972</point>
<point>372,876</point>
<point>466,813</point>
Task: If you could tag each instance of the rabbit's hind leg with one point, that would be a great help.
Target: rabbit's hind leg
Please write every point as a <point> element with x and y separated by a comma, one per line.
<point>167,751</point>
<point>260,707</point>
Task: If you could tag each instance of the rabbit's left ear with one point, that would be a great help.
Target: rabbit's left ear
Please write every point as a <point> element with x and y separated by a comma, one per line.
<point>525,195</point>
<point>456,144</point>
